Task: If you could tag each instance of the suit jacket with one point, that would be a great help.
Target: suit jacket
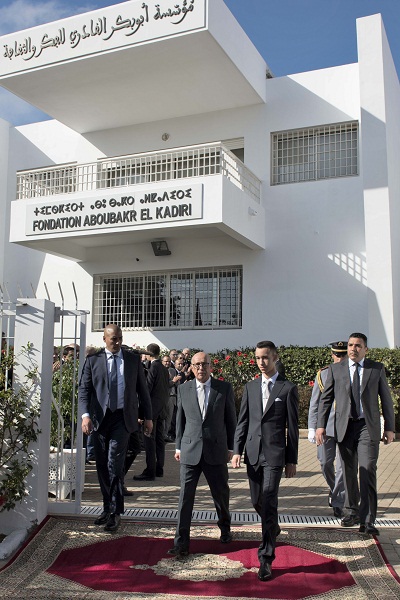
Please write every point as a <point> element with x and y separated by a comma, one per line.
<point>93,389</point>
<point>158,385</point>
<point>213,437</point>
<point>338,387</point>
<point>314,403</point>
<point>274,432</point>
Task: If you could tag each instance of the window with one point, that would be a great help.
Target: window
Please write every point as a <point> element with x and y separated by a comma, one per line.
<point>202,298</point>
<point>315,153</point>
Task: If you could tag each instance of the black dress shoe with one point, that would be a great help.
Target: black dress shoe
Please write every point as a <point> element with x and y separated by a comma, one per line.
<point>159,472</point>
<point>126,492</point>
<point>338,512</point>
<point>369,528</point>
<point>103,518</point>
<point>264,572</point>
<point>113,522</point>
<point>144,477</point>
<point>350,521</point>
<point>226,538</point>
<point>178,551</point>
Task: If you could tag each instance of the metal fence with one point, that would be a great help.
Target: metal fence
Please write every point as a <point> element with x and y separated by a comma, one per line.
<point>178,163</point>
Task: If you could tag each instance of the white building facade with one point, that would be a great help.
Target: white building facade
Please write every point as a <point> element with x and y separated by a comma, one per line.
<point>190,196</point>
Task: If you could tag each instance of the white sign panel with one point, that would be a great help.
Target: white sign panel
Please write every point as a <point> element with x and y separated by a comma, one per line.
<point>118,26</point>
<point>111,210</point>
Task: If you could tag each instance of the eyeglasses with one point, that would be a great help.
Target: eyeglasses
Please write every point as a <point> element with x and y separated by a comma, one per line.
<point>201,365</point>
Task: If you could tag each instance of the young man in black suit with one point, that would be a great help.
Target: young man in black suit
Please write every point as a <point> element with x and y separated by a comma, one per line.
<point>110,388</point>
<point>268,429</point>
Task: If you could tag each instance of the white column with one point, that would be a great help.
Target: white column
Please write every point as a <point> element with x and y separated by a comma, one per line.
<point>34,323</point>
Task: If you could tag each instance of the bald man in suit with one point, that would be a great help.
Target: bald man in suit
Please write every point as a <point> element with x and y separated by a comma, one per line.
<point>205,426</point>
<point>110,388</point>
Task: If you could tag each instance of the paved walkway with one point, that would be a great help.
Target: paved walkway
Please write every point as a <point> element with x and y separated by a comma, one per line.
<point>306,494</point>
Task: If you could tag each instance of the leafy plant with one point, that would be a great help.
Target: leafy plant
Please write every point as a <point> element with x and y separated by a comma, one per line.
<point>19,413</point>
<point>65,392</point>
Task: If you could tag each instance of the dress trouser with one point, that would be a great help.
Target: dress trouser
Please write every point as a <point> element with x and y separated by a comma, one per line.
<point>359,457</point>
<point>264,483</point>
<point>110,442</point>
<point>155,448</point>
<point>327,454</point>
<point>217,479</point>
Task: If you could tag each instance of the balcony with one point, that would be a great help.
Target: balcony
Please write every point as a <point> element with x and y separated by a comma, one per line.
<point>164,193</point>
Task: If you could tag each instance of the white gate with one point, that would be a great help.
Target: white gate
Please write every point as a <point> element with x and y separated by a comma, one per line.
<point>56,481</point>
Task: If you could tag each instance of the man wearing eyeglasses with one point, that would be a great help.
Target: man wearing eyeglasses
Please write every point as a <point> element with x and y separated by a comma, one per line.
<point>205,428</point>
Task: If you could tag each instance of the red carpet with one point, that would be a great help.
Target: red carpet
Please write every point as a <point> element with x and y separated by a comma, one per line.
<point>72,558</point>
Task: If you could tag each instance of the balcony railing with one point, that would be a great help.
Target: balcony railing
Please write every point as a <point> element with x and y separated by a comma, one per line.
<point>177,163</point>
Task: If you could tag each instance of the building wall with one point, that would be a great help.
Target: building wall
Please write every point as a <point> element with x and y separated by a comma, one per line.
<point>312,284</point>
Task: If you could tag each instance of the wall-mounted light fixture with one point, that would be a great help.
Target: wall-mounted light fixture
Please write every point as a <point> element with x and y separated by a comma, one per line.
<point>160,248</point>
<point>252,212</point>
<point>165,137</point>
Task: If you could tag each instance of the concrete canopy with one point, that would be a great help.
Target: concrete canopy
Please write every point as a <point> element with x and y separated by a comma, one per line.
<point>203,68</point>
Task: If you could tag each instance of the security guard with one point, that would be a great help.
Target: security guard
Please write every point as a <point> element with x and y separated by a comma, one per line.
<point>328,452</point>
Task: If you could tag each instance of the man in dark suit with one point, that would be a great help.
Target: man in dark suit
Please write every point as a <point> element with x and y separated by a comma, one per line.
<point>111,387</point>
<point>154,445</point>
<point>205,426</point>
<point>268,429</point>
<point>356,385</point>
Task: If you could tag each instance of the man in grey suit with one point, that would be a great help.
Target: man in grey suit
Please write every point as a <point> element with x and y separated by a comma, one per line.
<point>268,429</point>
<point>356,385</point>
<point>328,453</point>
<point>205,426</point>
<point>110,388</point>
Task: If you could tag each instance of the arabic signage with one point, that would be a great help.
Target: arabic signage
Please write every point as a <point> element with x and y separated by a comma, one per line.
<point>164,205</point>
<point>117,26</point>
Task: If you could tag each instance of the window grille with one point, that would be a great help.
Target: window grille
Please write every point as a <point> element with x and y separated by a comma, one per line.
<point>203,298</point>
<point>315,153</point>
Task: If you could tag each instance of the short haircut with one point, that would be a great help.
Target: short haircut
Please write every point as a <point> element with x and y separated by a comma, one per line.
<point>359,335</point>
<point>267,344</point>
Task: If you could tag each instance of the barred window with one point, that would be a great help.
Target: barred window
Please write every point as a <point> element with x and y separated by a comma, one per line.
<point>315,153</point>
<point>203,298</point>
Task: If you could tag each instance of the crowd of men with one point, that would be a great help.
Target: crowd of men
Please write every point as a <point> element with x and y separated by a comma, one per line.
<point>176,399</point>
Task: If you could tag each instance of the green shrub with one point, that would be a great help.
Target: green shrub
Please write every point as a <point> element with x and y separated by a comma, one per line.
<point>301,365</point>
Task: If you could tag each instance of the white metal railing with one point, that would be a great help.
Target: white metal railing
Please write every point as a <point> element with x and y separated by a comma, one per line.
<point>150,167</point>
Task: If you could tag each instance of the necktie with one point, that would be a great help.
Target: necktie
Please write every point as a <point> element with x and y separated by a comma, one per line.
<point>113,385</point>
<point>355,392</point>
<point>267,391</point>
<point>201,395</point>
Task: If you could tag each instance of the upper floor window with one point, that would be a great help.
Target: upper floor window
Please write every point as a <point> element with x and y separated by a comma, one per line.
<point>315,153</point>
<point>202,298</point>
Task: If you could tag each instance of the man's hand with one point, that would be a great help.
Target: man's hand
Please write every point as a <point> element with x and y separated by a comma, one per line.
<point>230,454</point>
<point>311,436</point>
<point>290,470</point>
<point>147,427</point>
<point>87,425</point>
<point>388,437</point>
<point>320,436</point>
<point>235,461</point>
<point>177,455</point>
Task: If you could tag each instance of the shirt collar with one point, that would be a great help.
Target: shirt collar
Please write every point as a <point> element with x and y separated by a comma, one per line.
<point>265,380</point>
<point>353,362</point>
<point>108,353</point>
<point>207,383</point>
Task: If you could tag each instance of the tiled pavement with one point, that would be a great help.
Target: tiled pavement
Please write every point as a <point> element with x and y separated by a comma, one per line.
<point>306,494</point>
